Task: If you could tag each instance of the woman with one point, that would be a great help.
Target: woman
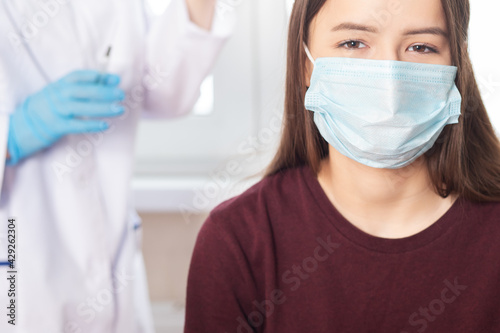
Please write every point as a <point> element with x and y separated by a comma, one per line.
<point>379,212</point>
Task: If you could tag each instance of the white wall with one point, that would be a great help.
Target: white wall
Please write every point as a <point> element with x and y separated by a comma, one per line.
<point>484,47</point>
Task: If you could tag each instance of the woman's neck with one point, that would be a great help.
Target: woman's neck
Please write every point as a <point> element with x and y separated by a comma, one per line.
<point>381,202</point>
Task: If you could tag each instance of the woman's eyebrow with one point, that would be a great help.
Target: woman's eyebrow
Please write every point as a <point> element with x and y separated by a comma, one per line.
<point>430,31</point>
<point>354,26</point>
<point>360,27</point>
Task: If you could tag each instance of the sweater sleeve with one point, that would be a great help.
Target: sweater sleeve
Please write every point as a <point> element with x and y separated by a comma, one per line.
<point>220,287</point>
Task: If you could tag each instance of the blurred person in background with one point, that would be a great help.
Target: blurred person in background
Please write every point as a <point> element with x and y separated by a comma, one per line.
<point>76,76</point>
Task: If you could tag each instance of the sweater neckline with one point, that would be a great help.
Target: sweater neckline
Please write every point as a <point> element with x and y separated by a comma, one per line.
<point>373,243</point>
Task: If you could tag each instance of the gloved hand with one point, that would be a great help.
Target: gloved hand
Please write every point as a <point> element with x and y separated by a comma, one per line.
<point>68,106</point>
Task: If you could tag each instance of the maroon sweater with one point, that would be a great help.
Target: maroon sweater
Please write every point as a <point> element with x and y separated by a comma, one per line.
<point>281,258</point>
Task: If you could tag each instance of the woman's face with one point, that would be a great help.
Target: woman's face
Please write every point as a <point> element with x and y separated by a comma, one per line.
<point>403,30</point>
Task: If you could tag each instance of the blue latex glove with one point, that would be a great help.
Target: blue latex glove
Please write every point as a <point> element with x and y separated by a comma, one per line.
<point>68,106</point>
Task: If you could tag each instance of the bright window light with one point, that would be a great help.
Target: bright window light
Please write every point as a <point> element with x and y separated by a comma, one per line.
<point>205,104</point>
<point>158,6</point>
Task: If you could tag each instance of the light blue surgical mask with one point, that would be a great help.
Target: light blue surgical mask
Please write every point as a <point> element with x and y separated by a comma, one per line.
<point>382,113</point>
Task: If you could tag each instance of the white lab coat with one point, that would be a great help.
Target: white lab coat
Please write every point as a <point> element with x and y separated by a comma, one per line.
<point>80,268</point>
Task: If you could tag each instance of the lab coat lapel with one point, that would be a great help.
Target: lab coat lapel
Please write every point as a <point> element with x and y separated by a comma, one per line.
<point>49,32</point>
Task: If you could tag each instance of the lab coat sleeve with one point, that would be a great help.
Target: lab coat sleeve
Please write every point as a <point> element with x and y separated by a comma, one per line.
<point>6,107</point>
<point>179,56</point>
<point>4,130</point>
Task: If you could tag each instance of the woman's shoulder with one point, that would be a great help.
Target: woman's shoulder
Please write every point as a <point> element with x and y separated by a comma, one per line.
<point>485,209</point>
<point>247,225</point>
<point>277,186</point>
<point>481,217</point>
<point>253,207</point>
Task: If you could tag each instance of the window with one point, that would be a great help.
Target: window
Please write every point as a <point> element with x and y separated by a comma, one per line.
<point>191,164</point>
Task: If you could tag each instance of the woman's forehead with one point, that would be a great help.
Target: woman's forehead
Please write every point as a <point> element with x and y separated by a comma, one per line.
<point>382,14</point>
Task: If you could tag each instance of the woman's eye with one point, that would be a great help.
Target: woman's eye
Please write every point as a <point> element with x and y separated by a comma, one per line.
<point>422,48</point>
<point>353,44</point>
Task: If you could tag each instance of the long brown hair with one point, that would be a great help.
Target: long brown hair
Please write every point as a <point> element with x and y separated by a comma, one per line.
<point>466,157</point>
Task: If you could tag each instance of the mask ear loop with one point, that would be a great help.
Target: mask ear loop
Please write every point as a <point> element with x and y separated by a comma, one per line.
<point>308,53</point>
